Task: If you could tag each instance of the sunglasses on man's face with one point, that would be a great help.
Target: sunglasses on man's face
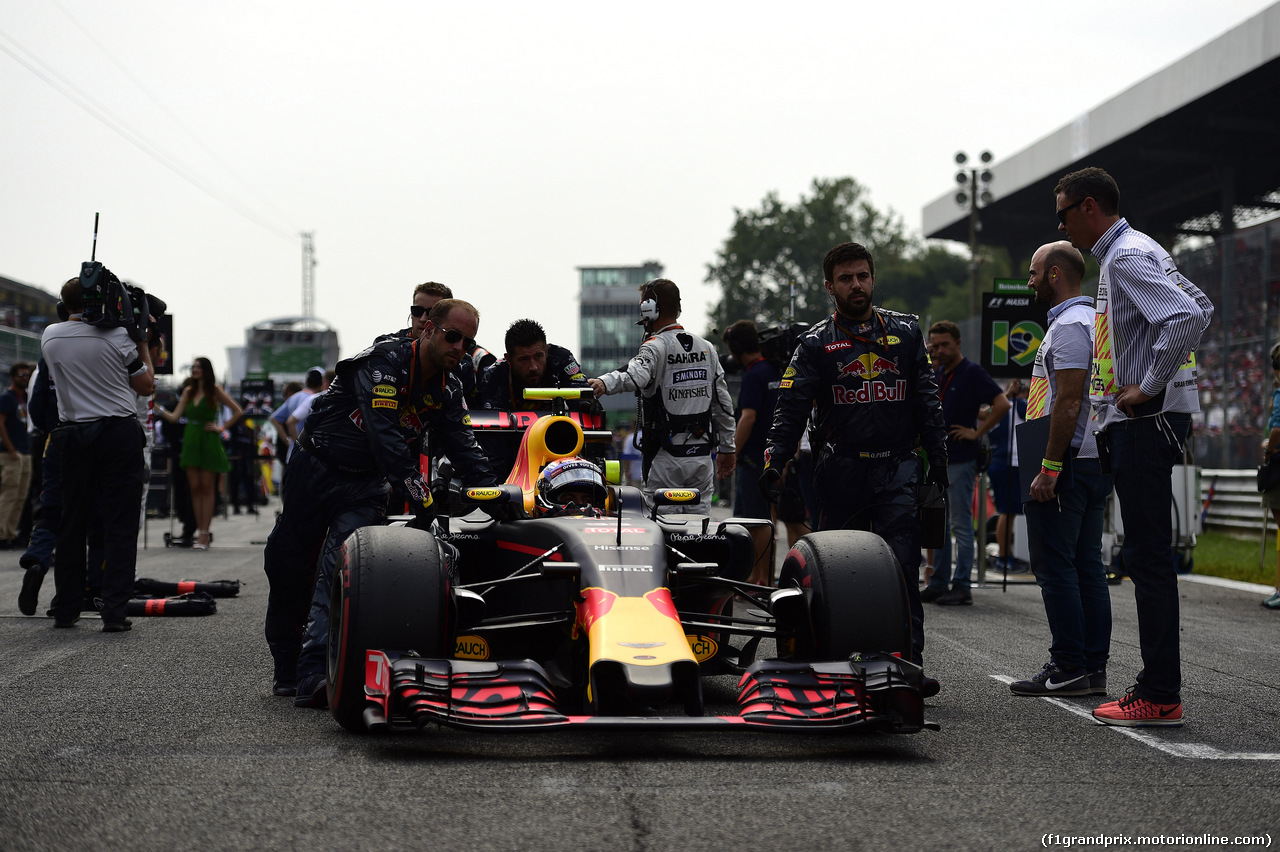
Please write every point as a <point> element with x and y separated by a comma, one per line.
<point>417,310</point>
<point>1062,214</point>
<point>452,336</point>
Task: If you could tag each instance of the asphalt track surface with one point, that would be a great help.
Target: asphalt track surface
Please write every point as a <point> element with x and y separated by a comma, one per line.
<point>168,737</point>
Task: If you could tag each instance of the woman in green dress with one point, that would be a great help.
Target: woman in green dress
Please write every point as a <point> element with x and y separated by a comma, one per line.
<point>203,456</point>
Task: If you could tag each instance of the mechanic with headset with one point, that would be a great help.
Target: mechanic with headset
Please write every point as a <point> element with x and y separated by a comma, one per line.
<point>685,404</point>
<point>529,362</point>
<point>358,437</point>
<point>99,369</point>
<point>869,375</point>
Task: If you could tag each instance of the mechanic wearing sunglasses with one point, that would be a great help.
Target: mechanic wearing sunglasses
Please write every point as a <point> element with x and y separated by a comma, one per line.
<point>360,436</point>
<point>477,358</point>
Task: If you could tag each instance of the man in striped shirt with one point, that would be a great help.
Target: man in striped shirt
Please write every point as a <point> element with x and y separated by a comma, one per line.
<point>1142,385</point>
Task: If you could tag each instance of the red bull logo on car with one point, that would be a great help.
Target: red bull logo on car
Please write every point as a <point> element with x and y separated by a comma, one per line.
<point>868,366</point>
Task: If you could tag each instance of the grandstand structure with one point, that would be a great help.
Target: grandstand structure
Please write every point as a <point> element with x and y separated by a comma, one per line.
<point>1195,149</point>
<point>24,313</point>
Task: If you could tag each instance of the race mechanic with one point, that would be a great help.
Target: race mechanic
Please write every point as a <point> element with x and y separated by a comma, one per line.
<point>474,358</point>
<point>358,437</point>
<point>876,399</point>
<point>529,362</point>
<point>686,409</point>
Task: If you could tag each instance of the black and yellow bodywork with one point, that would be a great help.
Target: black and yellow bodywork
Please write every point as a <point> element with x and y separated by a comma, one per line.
<point>611,619</point>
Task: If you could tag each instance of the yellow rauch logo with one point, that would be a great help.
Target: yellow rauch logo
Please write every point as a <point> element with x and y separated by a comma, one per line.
<point>471,648</point>
<point>679,496</point>
<point>483,493</point>
<point>703,647</point>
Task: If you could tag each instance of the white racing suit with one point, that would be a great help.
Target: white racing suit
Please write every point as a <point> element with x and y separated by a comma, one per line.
<point>687,410</point>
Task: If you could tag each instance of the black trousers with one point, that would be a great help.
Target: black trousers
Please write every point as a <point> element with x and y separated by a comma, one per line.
<point>324,507</point>
<point>880,496</point>
<point>103,476</point>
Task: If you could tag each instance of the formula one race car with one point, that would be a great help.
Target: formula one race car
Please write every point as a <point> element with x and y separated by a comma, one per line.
<point>527,612</point>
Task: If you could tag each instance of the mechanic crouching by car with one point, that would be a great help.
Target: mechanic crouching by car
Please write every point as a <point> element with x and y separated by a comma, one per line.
<point>687,410</point>
<point>358,437</point>
<point>869,375</point>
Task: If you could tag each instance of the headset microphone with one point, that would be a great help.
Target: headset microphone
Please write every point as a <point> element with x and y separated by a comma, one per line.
<point>648,305</point>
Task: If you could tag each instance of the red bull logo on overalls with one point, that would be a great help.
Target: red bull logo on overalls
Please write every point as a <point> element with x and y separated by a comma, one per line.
<point>870,368</point>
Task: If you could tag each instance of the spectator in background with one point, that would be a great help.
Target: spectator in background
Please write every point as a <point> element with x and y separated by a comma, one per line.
<point>964,387</point>
<point>280,417</point>
<point>757,399</point>
<point>15,461</point>
<point>629,454</point>
<point>1271,499</point>
<point>204,458</point>
<point>1002,473</point>
<point>42,411</point>
<point>298,418</point>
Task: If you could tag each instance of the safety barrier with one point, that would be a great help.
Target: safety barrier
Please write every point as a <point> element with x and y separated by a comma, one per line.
<point>1232,498</point>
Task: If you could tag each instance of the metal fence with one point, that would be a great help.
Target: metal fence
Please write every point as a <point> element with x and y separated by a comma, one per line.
<point>17,345</point>
<point>1231,500</point>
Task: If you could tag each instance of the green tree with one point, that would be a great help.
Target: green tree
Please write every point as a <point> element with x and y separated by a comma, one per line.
<point>776,244</point>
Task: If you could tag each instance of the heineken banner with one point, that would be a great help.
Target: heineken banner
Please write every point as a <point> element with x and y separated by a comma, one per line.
<point>1012,327</point>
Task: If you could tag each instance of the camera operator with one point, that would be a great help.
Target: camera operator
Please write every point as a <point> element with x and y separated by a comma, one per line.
<point>99,372</point>
<point>876,397</point>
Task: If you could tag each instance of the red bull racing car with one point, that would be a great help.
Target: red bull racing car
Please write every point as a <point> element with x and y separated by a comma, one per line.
<point>508,616</point>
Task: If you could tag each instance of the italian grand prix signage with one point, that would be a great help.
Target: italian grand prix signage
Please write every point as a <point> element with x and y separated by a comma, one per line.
<point>1012,327</point>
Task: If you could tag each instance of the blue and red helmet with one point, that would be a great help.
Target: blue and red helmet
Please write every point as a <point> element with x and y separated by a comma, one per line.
<point>571,480</point>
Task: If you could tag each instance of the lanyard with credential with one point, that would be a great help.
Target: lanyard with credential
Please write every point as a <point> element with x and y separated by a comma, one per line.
<point>884,333</point>
<point>942,391</point>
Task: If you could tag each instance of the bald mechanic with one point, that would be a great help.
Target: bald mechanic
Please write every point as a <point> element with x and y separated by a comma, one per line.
<point>358,437</point>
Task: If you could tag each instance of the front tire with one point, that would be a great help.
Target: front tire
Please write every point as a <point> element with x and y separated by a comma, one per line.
<point>857,597</point>
<point>390,592</point>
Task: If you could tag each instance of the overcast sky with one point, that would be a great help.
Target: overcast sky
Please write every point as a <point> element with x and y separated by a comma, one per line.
<point>497,146</point>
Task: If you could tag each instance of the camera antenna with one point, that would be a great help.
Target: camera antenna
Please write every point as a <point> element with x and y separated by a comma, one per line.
<point>93,255</point>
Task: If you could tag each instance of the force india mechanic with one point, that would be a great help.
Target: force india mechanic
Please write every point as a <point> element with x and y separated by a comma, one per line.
<point>359,435</point>
<point>687,410</point>
<point>867,372</point>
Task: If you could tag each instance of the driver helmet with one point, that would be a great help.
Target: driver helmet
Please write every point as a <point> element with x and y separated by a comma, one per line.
<point>571,484</point>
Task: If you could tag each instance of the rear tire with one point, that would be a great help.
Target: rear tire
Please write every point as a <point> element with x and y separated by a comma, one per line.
<point>857,597</point>
<point>390,592</point>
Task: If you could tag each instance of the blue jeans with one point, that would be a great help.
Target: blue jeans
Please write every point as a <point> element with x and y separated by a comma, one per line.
<point>1065,537</point>
<point>1143,453</point>
<point>960,519</point>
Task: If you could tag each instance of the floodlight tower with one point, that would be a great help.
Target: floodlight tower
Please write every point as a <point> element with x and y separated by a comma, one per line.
<point>308,275</point>
<point>976,199</point>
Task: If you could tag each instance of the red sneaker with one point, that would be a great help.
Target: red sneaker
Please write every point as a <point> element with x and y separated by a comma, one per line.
<point>1134,712</point>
